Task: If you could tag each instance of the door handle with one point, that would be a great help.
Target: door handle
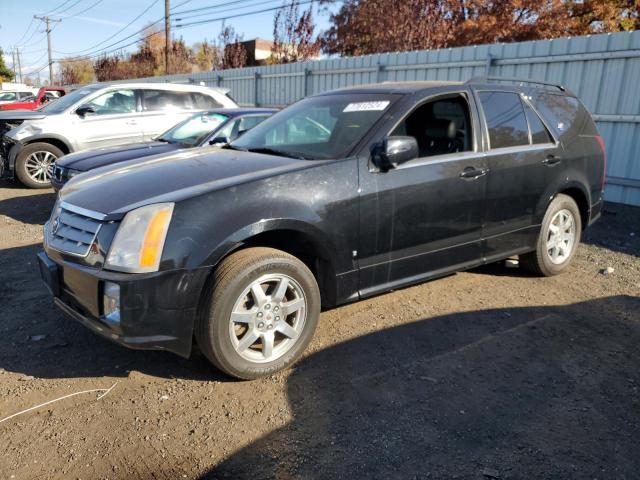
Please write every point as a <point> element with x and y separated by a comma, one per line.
<point>471,173</point>
<point>132,122</point>
<point>551,160</point>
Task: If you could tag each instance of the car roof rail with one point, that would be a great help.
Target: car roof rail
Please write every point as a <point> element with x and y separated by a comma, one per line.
<point>485,78</point>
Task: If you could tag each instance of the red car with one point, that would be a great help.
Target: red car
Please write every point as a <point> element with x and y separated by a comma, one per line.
<point>45,95</point>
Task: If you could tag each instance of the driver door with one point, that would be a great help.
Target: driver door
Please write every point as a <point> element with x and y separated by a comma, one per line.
<point>114,122</point>
<point>424,217</point>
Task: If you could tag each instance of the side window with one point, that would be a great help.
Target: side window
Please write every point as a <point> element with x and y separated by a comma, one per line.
<point>440,127</point>
<point>114,102</point>
<point>539,133</point>
<point>247,123</point>
<point>505,119</point>
<point>161,100</point>
<point>200,100</point>
<point>559,111</point>
<point>229,131</point>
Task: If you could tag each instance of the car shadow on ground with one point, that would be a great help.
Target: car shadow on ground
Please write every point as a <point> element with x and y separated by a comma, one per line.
<point>535,392</point>
<point>32,207</point>
<point>38,340</point>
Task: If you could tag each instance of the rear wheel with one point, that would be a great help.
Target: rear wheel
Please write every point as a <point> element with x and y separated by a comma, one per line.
<point>558,239</point>
<point>263,311</point>
<point>34,164</point>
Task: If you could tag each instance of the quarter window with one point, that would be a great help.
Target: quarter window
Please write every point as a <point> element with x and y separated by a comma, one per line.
<point>114,102</point>
<point>539,133</point>
<point>505,119</point>
<point>201,100</point>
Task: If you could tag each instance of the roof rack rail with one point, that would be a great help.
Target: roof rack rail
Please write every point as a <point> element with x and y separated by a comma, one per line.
<point>517,80</point>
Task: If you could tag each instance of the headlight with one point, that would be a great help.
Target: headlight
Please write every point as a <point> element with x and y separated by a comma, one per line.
<point>137,246</point>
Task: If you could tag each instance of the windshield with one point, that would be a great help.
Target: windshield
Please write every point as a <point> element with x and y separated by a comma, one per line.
<point>65,102</point>
<point>324,127</point>
<point>194,129</point>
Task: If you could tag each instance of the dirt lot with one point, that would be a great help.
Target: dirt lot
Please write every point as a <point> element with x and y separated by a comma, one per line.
<point>489,373</point>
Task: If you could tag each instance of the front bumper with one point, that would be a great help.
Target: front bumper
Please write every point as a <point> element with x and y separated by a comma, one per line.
<point>157,310</point>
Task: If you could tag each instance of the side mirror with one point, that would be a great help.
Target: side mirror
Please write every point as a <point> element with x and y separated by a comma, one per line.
<point>85,109</point>
<point>219,141</point>
<point>395,151</point>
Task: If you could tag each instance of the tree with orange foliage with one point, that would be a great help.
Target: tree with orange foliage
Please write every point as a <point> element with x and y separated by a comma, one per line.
<point>376,26</point>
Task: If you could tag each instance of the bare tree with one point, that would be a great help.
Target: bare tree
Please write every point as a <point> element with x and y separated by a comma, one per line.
<point>234,55</point>
<point>293,35</point>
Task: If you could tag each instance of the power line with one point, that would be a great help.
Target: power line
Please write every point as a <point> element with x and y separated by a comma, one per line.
<point>58,7</point>
<point>85,10</point>
<point>88,49</point>
<point>26,31</point>
<point>195,15</point>
<point>68,8</point>
<point>227,17</point>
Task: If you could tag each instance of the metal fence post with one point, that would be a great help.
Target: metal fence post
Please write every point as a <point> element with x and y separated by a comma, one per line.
<point>487,67</point>
<point>256,78</point>
<point>307,74</point>
<point>380,73</point>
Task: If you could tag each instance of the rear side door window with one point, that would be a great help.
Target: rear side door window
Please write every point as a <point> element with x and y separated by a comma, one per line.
<point>165,100</point>
<point>505,118</point>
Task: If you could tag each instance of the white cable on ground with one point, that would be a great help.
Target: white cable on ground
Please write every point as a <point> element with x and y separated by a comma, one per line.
<point>104,390</point>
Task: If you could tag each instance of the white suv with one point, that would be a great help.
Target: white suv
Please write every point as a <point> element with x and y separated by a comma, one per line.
<point>94,116</point>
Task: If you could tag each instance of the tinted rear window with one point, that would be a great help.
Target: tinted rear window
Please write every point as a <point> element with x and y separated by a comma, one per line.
<point>560,111</point>
<point>505,119</point>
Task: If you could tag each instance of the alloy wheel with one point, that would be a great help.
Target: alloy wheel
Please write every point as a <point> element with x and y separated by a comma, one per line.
<point>39,166</point>
<point>268,318</point>
<point>561,236</point>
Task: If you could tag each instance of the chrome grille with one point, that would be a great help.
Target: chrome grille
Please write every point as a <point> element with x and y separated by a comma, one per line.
<point>72,232</point>
<point>58,173</point>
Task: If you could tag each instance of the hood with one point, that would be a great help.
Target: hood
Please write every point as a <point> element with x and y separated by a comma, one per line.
<point>171,178</point>
<point>90,159</point>
<point>21,115</point>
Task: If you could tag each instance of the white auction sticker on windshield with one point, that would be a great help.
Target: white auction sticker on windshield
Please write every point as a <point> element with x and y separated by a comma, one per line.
<point>366,106</point>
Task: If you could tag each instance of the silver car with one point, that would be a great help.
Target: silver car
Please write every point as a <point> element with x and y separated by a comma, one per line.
<point>100,115</point>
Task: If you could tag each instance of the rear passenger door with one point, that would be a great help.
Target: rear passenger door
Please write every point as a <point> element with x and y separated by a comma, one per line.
<point>520,153</point>
<point>162,109</point>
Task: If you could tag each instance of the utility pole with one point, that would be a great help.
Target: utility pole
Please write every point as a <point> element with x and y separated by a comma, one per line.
<point>13,57</point>
<point>19,64</point>
<point>167,35</point>
<point>47,21</point>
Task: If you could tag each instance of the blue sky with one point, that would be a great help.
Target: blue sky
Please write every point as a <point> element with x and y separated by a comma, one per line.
<point>80,30</point>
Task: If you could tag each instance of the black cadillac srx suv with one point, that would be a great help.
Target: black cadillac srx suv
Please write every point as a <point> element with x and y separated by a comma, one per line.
<point>338,197</point>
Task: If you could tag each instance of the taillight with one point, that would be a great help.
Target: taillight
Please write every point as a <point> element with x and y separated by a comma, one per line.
<point>604,159</point>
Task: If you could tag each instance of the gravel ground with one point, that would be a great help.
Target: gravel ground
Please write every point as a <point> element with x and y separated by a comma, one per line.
<point>485,374</point>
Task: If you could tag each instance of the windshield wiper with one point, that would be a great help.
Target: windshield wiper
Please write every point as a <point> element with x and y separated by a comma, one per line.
<point>280,153</point>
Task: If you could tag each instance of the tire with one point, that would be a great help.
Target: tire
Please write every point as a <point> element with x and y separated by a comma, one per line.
<point>548,261</point>
<point>258,340</point>
<point>34,155</point>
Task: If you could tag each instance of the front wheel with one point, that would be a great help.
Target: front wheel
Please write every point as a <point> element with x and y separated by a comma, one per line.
<point>263,311</point>
<point>558,239</point>
<point>34,164</point>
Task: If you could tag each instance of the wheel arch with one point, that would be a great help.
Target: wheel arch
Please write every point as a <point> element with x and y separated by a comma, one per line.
<point>579,195</point>
<point>55,140</point>
<point>296,238</point>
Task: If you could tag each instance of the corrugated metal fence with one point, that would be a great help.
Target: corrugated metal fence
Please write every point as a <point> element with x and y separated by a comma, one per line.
<point>603,70</point>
